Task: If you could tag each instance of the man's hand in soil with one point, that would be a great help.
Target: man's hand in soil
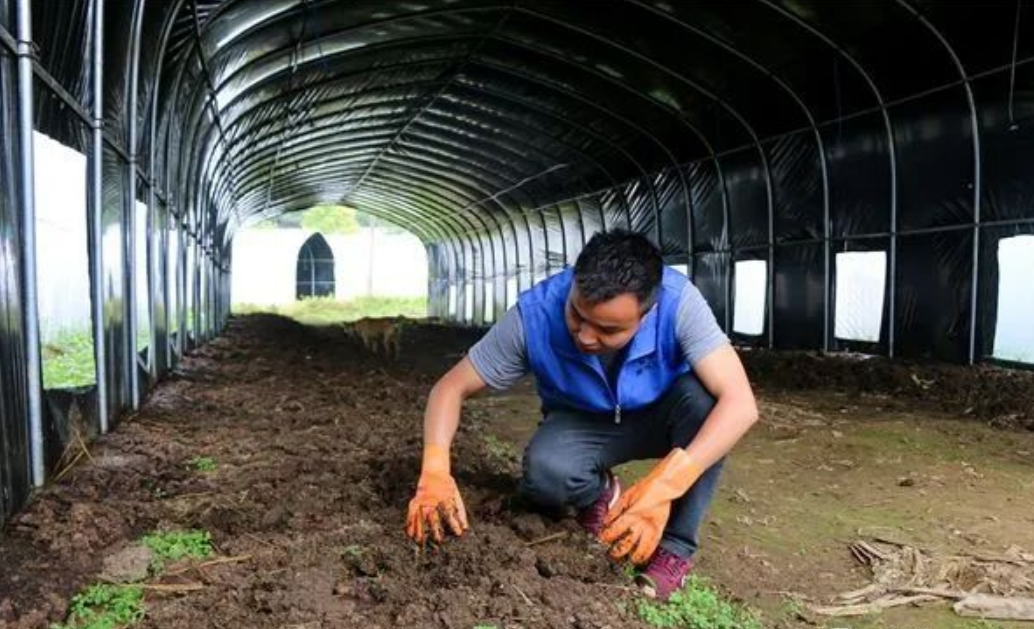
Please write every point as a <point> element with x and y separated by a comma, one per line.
<point>437,500</point>
<point>634,525</point>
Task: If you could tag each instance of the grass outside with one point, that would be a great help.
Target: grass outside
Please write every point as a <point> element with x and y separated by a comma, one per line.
<point>68,360</point>
<point>328,311</point>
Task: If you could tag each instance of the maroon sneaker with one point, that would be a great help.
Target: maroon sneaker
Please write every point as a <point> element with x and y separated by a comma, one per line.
<point>592,517</point>
<point>664,575</point>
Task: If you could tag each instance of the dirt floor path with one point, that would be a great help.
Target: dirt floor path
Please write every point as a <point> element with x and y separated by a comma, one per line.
<point>317,449</point>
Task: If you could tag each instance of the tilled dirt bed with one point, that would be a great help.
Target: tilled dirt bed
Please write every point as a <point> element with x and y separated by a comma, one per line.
<point>318,451</point>
<point>317,447</point>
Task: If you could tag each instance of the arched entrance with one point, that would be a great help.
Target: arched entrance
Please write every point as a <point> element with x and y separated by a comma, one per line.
<point>315,276</point>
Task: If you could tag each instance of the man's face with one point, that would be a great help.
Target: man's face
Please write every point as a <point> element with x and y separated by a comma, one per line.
<point>604,327</point>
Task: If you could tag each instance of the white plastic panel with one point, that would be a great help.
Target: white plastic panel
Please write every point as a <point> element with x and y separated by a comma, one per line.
<point>861,286</point>
<point>750,297</point>
<point>1014,328</point>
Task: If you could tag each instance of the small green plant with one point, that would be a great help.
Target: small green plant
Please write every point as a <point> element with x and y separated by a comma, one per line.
<point>500,450</point>
<point>352,550</point>
<point>485,627</point>
<point>105,607</point>
<point>175,545</point>
<point>792,608</point>
<point>697,606</point>
<point>202,464</point>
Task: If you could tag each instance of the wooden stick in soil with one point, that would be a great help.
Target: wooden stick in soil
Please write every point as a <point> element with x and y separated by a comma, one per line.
<point>172,587</point>
<point>207,564</point>
<point>68,467</point>
<point>523,595</point>
<point>875,606</point>
<point>548,538</point>
<point>82,444</point>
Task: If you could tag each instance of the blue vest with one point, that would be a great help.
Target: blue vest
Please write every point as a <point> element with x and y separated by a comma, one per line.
<point>567,378</point>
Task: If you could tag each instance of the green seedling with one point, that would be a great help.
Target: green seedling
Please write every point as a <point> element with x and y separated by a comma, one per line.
<point>697,606</point>
<point>500,450</point>
<point>628,571</point>
<point>105,607</point>
<point>353,550</point>
<point>202,464</point>
<point>174,545</point>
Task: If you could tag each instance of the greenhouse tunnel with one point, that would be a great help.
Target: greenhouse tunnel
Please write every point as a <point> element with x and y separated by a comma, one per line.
<point>762,139</point>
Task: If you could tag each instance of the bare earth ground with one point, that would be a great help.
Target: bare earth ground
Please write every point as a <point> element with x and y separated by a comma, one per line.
<point>318,445</point>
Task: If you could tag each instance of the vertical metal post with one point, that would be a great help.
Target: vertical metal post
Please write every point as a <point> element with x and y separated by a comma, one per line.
<point>152,330</point>
<point>131,244</point>
<point>770,250</point>
<point>95,212</point>
<point>977,174</point>
<point>195,288</point>
<point>181,288</point>
<point>28,245</point>
<point>727,219</point>
<point>892,284</point>
<point>687,192</point>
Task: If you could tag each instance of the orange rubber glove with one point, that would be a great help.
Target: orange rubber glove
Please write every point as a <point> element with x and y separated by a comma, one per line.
<point>635,524</point>
<point>437,499</point>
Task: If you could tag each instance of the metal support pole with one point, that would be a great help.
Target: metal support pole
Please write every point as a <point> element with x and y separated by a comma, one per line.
<point>95,212</point>
<point>892,283</point>
<point>181,290</point>
<point>152,331</point>
<point>974,296</point>
<point>131,244</point>
<point>28,245</point>
<point>727,220</point>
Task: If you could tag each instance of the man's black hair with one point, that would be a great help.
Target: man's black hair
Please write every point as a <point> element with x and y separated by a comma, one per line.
<point>617,262</point>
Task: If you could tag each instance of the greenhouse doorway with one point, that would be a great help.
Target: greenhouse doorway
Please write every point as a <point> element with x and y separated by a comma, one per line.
<point>315,276</point>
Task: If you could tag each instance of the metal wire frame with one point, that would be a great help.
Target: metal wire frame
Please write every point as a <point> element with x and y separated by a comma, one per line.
<point>893,171</point>
<point>892,156</point>
<point>975,123</point>
<point>656,209</point>
<point>209,250</point>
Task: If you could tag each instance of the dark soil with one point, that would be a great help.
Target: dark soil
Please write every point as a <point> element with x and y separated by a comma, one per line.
<point>318,450</point>
<point>318,446</point>
<point>996,395</point>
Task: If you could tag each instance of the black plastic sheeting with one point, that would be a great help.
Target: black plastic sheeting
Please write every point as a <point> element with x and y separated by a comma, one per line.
<point>504,134</point>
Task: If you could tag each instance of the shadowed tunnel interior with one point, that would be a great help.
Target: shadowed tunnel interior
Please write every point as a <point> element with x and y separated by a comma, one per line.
<point>504,134</point>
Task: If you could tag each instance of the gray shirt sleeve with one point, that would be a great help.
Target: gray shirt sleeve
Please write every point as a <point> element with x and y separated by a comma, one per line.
<point>696,327</point>
<point>501,357</point>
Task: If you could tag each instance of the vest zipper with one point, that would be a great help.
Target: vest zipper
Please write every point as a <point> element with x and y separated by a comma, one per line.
<point>617,413</point>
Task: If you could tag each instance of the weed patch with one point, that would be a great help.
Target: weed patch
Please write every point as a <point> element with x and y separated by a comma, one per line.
<point>697,606</point>
<point>175,545</point>
<point>203,464</point>
<point>105,607</point>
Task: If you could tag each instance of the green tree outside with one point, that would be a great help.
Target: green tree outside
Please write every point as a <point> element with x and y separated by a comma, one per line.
<point>331,219</point>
